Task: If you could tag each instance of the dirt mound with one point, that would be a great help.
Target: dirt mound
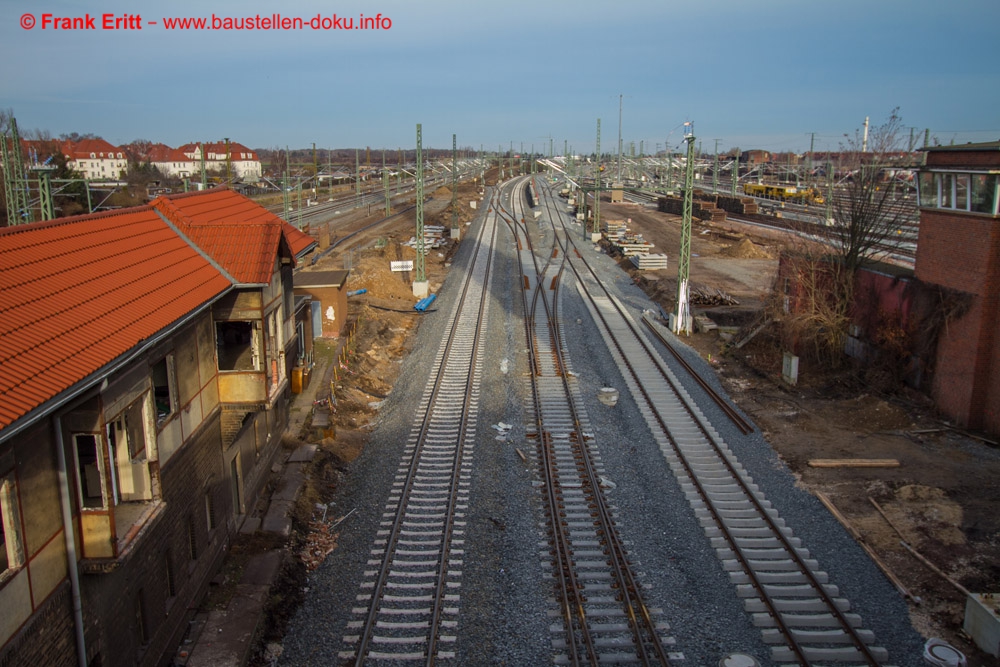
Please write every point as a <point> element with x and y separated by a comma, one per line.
<point>372,271</point>
<point>746,249</point>
<point>442,193</point>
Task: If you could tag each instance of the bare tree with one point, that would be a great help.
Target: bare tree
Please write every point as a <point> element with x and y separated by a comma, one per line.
<point>867,209</point>
<point>819,279</point>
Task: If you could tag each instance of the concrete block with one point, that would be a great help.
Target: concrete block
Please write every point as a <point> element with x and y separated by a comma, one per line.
<point>303,454</point>
<point>982,621</point>
<point>290,482</point>
<point>250,526</point>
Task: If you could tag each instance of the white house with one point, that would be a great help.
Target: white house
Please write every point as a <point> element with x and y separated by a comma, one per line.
<point>244,162</point>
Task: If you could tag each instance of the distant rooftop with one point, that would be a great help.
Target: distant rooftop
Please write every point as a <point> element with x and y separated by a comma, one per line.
<point>983,146</point>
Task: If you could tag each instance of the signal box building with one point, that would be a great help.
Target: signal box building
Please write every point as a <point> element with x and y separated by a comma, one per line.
<point>144,362</point>
<point>958,250</point>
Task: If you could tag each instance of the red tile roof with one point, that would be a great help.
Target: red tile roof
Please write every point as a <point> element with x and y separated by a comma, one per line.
<point>77,293</point>
<point>239,234</point>
<point>81,150</point>
<point>236,150</point>
<point>164,153</point>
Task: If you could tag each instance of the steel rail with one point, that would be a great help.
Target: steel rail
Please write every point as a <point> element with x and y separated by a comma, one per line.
<point>742,424</point>
<point>639,619</point>
<point>778,534</point>
<point>393,539</point>
<point>571,602</point>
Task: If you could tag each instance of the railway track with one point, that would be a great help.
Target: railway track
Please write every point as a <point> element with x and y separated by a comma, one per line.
<point>597,595</point>
<point>800,612</point>
<point>408,606</point>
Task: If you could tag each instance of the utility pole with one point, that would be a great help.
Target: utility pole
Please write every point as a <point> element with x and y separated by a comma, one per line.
<point>809,162</point>
<point>595,229</point>
<point>357,175</point>
<point>45,203</point>
<point>736,170</point>
<point>385,185</point>
<point>420,283</point>
<point>620,138</point>
<point>229,163</point>
<point>455,232</point>
<point>715,172</point>
<point>682,322</point>
<point>204,176</point>
<point>15,184</point>
<point>284,186</point>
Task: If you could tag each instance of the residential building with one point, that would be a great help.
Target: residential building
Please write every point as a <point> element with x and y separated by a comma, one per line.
<point>96,159</point>
<point>171,161</point>
<point>242,162</point>
<point>144,363</point>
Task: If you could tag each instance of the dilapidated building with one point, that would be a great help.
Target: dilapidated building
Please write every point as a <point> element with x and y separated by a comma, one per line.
<point>145,357</point>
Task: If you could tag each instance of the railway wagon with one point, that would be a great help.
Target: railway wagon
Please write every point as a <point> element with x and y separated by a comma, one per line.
<point>783,192</point>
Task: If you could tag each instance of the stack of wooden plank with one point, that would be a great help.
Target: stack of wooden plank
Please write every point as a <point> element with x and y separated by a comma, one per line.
<point>700,210</point>
<point>708,296</point>
<point>738,205</point>
<point>649,261</point>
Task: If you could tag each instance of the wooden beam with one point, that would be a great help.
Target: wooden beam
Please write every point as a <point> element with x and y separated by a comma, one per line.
<point>853,463</point>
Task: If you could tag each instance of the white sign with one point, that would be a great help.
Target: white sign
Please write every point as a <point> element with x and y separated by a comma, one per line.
<point>405,265</point>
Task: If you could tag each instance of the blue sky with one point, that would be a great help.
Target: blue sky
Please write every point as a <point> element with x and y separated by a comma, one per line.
<point>762,74</point>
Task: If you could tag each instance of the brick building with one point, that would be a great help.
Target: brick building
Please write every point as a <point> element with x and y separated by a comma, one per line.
<point>958,250</point>
<point>144,362</point>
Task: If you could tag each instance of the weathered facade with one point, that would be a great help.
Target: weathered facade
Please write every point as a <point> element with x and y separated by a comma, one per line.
<point>958,250</point>
<point>137,422</point>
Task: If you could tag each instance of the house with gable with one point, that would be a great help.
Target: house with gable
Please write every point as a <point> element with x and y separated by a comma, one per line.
<point>171,161</point>
<point>96,159</point>
<point>144,358</point>
<point>243,162</point>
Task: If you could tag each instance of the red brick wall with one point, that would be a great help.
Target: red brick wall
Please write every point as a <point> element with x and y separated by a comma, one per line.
<point>963,159</point>
<point>109,599</point>
<point>962,252</point>
<point>953,250</point>
<point>48,638</point>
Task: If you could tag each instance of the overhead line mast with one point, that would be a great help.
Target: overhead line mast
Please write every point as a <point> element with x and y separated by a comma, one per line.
<point>15,184</point>
<point>454,187</point>
<point>595,230</point>
<point>420,281</point>
<point>682,322</point>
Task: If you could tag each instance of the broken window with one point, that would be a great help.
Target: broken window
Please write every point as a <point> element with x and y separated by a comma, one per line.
<point>127,448</point>
<point>164,393</point>
<point>238,346</point>
<point>90,471</point>
<point>11,554</point>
